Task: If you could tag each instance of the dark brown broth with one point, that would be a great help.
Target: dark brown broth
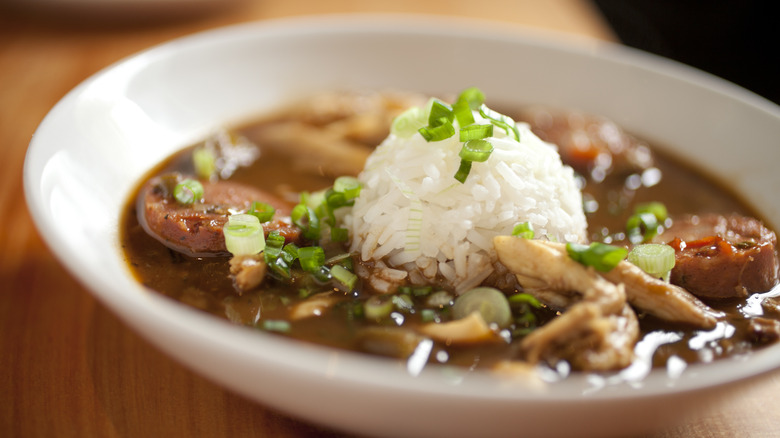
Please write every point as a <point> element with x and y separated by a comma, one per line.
<point>204,282</point>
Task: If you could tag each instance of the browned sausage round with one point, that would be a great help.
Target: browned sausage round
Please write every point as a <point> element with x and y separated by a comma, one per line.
<point>196,229</point>
<point>723,256</point>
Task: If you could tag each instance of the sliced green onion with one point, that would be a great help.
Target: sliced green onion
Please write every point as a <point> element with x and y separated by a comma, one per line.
<point>408,123</point>
<point>243,235</point>
<point>377,307</point>
<point>343,276</point>
<point>473,97</point>
<point>276,325</point>
<point>428,315</point>
<point>188,191</point>
<point>463,113</point>
<point>348,185</point>
<point>504,122</point>
<point>439,132</point>
<point>525,298</point>
<point>653,258</point>
<point>600,256</point>
<point>476,150</point>
<point>463,171</point>
<point>274,243</point>
<point>656,208</point>
<point>262,211</point>
<point>440,113</point>
<point>491,304</point>
<point>475,132</point>
<point>311,258</point>
<point>524,230</point>
<point>641,227</point>
<point>305,218</point>
<point>205,162</point>
<point>403,303</point>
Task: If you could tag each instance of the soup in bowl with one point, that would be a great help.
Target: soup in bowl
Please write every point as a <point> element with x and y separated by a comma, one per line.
<point>342,214</point>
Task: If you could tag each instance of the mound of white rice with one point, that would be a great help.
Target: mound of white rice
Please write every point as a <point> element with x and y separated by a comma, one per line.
<point>412,215</point>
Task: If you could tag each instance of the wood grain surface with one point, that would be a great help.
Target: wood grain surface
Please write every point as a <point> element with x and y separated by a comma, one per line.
<point>69,367</point>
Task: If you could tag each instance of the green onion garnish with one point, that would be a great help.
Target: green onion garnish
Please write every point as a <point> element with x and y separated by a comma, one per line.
<point>437,133</point>
<point>305,218</point>
<point>263,211</point>
<point>243,235</point>
<point>491,304</point>
<point>343,276</point>
<point>205,162</point>
<point>188,191</point>
<point>276,325</point>
<point>600,256</point>
<point>500,120</point>
<point>656,208</point>
<point>408,123</point>
<point>525,298</point>
<point>475,132</point>
<point>524,230</point>
<point>643,225</point>
<point>653,258</point>
<point>348,185</point>
<point>440,113</point>
<point>463,171</point>
<point>476,150</point>
<point>311,258</point>
<point>377,307</point>
<point>473,97</point>
<point>403,303</point>
<point>463,113</point>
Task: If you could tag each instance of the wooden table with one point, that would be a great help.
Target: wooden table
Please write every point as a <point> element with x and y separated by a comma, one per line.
<point>68,367</point>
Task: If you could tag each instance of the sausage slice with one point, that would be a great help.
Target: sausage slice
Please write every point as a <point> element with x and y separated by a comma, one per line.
<point>723,256</point>
<point>196,229</point>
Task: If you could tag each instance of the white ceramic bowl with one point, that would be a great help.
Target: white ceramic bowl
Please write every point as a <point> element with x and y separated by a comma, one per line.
<point>99,140</point>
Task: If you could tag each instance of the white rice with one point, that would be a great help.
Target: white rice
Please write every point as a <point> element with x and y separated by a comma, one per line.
<point>414,216</point>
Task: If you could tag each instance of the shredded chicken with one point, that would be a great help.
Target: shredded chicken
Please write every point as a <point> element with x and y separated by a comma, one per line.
<point>597,331</point>
<point>597,328</point>
<point>247,272</point>
<point>661,299</point>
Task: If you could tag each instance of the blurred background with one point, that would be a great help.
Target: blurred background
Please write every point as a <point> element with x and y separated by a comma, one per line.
<point>736,40</point>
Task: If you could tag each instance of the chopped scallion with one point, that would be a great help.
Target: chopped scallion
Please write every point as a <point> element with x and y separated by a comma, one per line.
<point>348,185</point>
<point>600,256</point>
<point>475,132</point>
<point>408,123</point>
<point>491,304</point>
<point>343,276</point>
<point>463,171</point>
<point>311,258</point>
<point>205,162</point>
<point>440,113</point>
<point>188,191</point>
<point>653,258</point>
<point>524,230</point>
<point>439,132</point>
<point>305,218</point>
<point>263,211</point>
<point>243,235</point>
<point>276,325</point>
<point>504,122</point>
<point>473,96</point>
<point>377,307</point>
<point>476,150</point>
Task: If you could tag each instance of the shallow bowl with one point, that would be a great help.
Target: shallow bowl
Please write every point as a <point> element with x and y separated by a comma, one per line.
<point>95,144</point>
